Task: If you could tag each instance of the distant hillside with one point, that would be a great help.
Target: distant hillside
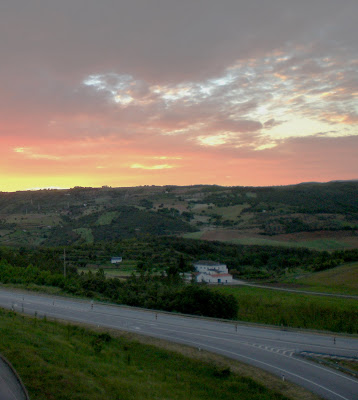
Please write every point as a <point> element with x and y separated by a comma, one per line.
<point>280,214</point>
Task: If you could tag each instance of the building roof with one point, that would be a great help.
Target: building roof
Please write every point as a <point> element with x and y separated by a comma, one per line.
<point>219,275</point>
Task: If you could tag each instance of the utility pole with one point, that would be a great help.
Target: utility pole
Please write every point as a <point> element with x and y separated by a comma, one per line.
<point>64,262</point>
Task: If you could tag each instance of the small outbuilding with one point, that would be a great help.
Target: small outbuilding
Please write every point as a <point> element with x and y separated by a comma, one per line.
<point>116,260</point>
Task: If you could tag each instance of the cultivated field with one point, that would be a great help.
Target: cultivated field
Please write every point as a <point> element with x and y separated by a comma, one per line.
<point>321,240</point>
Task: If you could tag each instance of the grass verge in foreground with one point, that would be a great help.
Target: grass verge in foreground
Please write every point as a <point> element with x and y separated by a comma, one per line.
<point>58,361</point>
<point>294,310</point>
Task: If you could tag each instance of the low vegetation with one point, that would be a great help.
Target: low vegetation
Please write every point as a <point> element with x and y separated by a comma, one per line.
<point>60,362</point>
<point>167,293</point>
<point>342,279</point>
<point>294,310</point>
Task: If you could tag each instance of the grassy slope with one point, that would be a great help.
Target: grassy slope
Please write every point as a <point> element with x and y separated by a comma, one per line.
<point>59,362</point>
<point>295,310</point>
<point>107,218</point>
<point>317,244</point>
<point>85,233</point>
<point>342,279</point>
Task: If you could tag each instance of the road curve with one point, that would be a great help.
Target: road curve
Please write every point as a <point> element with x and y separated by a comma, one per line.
<point>271,349</point>
<point>11,387</point>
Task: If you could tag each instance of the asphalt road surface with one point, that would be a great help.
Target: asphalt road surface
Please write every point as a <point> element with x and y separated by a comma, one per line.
<point>273,350</point>
<point>10,386</point>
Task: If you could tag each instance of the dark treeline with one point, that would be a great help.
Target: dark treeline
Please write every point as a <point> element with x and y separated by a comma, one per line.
<point>166,292</point>
<point>333,197</point>
<point>163,253</point>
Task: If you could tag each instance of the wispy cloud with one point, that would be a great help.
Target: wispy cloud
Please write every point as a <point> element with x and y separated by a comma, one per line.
<point>30,153</point>
<point>151,167</point>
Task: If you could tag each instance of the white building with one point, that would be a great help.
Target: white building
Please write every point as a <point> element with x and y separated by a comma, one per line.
<point>211,272</point>
<point>210,267</point>
<point>116,260</point>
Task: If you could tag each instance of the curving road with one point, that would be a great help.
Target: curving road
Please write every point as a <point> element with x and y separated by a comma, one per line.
<point>267,348</point>
<point>11,387</point>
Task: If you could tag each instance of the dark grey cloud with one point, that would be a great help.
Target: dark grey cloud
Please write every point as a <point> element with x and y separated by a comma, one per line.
<point>165,67</point>
<point>161,40</point>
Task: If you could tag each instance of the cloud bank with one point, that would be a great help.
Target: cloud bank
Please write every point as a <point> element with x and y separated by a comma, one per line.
<point>164,92</point>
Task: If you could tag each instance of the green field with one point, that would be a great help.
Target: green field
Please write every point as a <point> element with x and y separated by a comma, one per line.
<point>342,279</point>
<point>124,269</point>
<point>193,235</point>
<point>63,362</point>
<point>228,213</point>
<point>107,218</point>
<point>33,219</point>
<point>86,234</point>
<point>317,244</point>
<point>110,272</point>
<point>294,310</point>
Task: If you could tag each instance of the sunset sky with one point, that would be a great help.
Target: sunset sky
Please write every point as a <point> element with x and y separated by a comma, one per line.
<point>156,92</point>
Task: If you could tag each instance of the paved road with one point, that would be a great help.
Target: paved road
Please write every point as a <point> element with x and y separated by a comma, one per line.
<point>270,349</point>
<point>10,386</point>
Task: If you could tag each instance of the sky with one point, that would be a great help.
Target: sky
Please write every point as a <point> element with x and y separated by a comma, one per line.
<point>159,92</point>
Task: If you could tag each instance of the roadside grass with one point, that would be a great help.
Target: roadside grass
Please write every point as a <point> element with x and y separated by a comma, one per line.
<point>342,279</point>
<point>61,362</point>
<point>294,310</point>
<point>353,365</point>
